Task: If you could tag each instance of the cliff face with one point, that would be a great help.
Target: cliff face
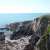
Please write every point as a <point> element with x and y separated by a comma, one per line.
<point>29,35</point>
<point>36,29</point>
<point>40,31</point>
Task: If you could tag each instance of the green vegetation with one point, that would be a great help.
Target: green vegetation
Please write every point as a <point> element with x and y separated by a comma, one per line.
<point>43,42</point>
<point>48,29</point>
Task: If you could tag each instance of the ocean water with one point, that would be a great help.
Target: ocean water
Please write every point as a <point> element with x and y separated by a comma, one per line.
<point>17,17</point>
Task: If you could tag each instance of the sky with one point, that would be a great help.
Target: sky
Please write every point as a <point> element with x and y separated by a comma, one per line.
<point>24,6</point>
<point>10,8</point>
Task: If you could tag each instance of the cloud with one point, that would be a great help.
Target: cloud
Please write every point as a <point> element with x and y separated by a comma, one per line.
<point>24,6</point>
<point>14,9</point>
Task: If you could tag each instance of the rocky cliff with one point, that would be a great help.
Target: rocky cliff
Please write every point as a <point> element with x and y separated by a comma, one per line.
<point>29,35</point>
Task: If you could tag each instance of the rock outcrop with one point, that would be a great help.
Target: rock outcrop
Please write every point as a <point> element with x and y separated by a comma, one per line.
<point>29,35</point>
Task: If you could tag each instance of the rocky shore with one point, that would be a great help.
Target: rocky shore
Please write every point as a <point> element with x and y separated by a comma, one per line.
<point>27,35</point>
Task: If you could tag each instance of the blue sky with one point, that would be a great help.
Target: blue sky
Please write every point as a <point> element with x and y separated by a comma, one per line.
<point>10,8</point>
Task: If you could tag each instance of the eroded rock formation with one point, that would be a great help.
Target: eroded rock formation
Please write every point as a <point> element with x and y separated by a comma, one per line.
<point>29,35</point>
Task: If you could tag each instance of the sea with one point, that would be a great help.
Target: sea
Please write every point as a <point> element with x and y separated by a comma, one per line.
<point>17,17</point>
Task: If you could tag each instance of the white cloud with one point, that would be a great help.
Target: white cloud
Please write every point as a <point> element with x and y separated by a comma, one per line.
<point>23,6</point>
<point>15,9</point>
<point>40,8</point>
